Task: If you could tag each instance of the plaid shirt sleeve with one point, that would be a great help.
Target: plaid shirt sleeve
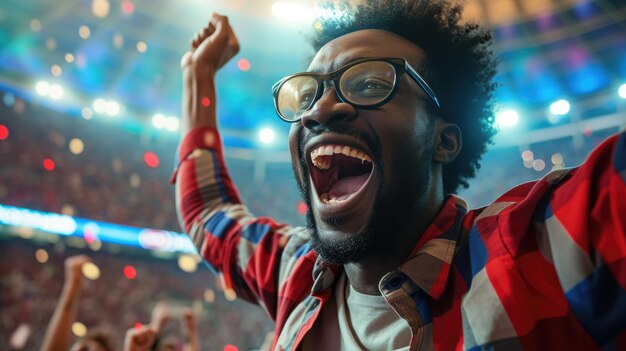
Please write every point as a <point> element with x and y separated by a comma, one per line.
<point>585,239</point>
<point>255,255</point>
<point>549,270</point>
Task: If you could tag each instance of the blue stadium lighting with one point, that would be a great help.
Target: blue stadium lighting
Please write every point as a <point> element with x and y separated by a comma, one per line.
<point>8,99</point>
<point>622,91</point>
<point>151,239</point>
<point>267,135</point>
<point>507,119</point>
<point>48,222</point>
<point>560,107</point>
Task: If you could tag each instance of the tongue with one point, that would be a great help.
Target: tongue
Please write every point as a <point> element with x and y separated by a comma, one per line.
<point>347,186</point>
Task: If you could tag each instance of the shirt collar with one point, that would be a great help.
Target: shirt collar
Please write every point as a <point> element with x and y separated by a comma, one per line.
<point>428,265</point>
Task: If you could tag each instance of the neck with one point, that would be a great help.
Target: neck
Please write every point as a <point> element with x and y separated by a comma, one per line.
<point>365,275</point>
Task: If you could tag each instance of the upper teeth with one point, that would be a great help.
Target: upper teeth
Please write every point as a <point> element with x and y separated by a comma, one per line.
<point>328,150</point>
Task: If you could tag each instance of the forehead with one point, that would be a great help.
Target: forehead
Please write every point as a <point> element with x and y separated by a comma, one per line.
<point>363,44</point>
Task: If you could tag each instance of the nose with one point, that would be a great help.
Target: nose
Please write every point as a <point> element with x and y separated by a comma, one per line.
<point>327,110</point>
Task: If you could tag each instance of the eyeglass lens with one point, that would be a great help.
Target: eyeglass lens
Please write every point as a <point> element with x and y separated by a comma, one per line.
<point>364,84</point>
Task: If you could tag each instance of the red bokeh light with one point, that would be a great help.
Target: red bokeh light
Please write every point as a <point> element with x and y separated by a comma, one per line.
<point>302,208</point>
<point>48,164</point>
<point>206,102</point>
<point>243,64</point>
<point>130,272</point>
<point>138,325</point>
<point>128,7</point>
<point>4,132</point>
<point>90,237</point>
<point>151,159</point>
<point>230,347</point>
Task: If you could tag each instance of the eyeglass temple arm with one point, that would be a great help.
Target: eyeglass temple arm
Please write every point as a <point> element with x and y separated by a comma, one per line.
<point>422,83</point>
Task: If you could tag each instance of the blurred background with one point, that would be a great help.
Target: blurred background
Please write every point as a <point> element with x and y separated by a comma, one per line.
<point>89,117</point>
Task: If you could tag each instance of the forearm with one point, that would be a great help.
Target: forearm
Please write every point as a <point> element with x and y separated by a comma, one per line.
<point>58,332</point>
<point>192,342</point>
<point>199,99</point>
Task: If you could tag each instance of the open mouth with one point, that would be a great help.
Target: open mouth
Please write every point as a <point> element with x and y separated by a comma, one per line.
<point>339,172</point>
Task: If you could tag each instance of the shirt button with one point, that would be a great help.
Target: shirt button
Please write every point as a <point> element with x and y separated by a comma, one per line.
<point>396,282</point>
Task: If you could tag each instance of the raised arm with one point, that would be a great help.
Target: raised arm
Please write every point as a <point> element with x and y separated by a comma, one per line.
<point>211,48</point>
<point>140,339</point>
<point>255,255</point>
<point>58,332</point>
<point>190,330</point>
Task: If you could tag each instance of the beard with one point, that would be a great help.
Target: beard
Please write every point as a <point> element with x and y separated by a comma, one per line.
<point>399,191</point>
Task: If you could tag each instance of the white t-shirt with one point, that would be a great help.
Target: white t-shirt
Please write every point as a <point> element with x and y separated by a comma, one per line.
<point>355,321</point>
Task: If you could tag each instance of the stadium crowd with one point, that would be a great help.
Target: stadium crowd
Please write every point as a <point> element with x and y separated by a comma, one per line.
<point>30,289</point>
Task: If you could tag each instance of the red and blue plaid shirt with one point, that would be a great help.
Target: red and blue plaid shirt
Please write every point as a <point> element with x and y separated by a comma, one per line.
<point>543,267</point>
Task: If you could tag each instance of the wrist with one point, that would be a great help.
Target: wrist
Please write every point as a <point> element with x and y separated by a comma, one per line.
<point>198,108</point>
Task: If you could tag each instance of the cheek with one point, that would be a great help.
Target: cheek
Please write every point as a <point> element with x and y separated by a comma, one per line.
<point>294,150</point>
<point>404,143</point>
<point>294,144</point>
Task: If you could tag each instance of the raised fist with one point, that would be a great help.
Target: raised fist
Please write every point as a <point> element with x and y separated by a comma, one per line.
<point>212,46</point>
<point>73,271</point>
<point>139,339</point>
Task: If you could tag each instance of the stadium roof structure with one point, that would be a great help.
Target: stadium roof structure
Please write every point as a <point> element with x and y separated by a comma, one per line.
<point>129,51</point>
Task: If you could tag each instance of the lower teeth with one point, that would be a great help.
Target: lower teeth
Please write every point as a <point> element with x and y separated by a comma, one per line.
<point>335,200</point>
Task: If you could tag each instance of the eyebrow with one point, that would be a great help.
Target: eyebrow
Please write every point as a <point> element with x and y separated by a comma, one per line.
<point>339,63</point>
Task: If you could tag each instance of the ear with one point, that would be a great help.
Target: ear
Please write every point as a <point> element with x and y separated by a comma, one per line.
<point>448,141</point>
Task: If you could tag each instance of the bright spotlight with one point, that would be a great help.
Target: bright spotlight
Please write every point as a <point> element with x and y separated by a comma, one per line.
<point>56,91</point>
<point>42,88</point>
<point>159,121</point>
<point>289,11</point>
<point>172,124</point>
<point>507,119</point>
<point>622,91</point>
<point>112,108</point>
<point>560,107</point>
<point>266,135</point>
<point>99,105</point>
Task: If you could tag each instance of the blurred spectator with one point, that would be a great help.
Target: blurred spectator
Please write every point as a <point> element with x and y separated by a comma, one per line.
<point>29,291</point>
<point>58,332</point>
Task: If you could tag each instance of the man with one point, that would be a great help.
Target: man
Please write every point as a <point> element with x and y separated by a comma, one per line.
<point>392,115</point>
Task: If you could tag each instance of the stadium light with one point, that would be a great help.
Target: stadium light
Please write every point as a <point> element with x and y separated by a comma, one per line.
<point>56,92</point>
<point>113,108</point>
<point>267,135</point>
<point>622,91</point>
<point>289,11</point>
<point>99,105</point>
<point>159,120</point>
<point>507,119</point>
<point>560,107</point>
<point>172,123</point>
<point>42,88</point>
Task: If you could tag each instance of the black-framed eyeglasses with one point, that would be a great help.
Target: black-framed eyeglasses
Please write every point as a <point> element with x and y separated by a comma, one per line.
<point>366,83</point>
